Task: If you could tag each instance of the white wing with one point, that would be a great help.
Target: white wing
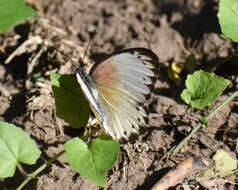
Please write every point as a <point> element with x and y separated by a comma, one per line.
<point>124,82</point>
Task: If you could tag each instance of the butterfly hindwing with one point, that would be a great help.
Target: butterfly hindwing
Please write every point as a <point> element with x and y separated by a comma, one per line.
<point>124,117</point>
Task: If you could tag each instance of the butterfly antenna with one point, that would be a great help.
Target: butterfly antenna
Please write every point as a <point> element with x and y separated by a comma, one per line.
<point>92,33</point>
<point>81,60</point>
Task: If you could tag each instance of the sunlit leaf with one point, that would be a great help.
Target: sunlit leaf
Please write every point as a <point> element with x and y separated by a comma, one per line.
<point>13,12</point>
<point>93,160</point>
<point>16,147</point>
<point>203,88</point>
<point>228,18</point>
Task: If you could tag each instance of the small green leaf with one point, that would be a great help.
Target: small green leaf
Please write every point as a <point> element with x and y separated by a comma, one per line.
<point>69,100</point>
<point>228,18</point>
<point>203,89</point>
<point>93,160</point>
<point>38,77</point>
<point>54,78</point>
<point>204,121</point>
<point>13,12</point>
<point>15,147</point>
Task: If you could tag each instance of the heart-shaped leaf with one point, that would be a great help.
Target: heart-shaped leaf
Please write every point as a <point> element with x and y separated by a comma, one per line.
<point>93,160</point>
<point>15,147</point>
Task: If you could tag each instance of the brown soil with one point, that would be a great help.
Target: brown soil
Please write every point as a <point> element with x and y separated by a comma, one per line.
<point>167,27</point>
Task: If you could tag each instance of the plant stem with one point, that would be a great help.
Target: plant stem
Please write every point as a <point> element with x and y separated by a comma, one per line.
<point>186,138</point>
<point>222,104</point>
<point>208,117</point>
<point>33,175</point>
<point>22,171</point>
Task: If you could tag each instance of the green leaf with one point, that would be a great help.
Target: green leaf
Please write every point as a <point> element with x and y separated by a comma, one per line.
<point>69,100</point>
<point>54,78</point>
<point>92,161</point>
<point>38,77</point>
<point>13,12</point>
<point>204,121</point>
<point>203,88</point>
<point>228,18</point>
<point>15,147</point>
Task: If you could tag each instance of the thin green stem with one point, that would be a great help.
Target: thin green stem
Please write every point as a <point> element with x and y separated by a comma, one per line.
<point>22,171</point>
<point>35,173</point>
<point>222,105</point>
<point>186,138</point>
<point>208,117</point>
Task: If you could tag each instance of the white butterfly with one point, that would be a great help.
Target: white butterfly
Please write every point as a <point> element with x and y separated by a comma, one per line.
<point>117,89</point>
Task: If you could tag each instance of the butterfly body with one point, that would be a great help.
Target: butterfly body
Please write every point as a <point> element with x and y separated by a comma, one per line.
<point>89,88</point>
<point>118,87</point>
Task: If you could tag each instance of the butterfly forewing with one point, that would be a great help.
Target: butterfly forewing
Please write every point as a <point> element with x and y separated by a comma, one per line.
<point>124,81</point>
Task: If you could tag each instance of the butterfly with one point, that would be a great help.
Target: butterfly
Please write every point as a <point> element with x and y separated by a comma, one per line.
<point>118,87</point>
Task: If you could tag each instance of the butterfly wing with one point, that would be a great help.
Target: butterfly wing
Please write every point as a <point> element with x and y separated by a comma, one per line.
<point>124,81</point>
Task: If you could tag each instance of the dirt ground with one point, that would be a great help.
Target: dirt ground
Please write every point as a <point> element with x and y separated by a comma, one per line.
<point>168,27</point>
